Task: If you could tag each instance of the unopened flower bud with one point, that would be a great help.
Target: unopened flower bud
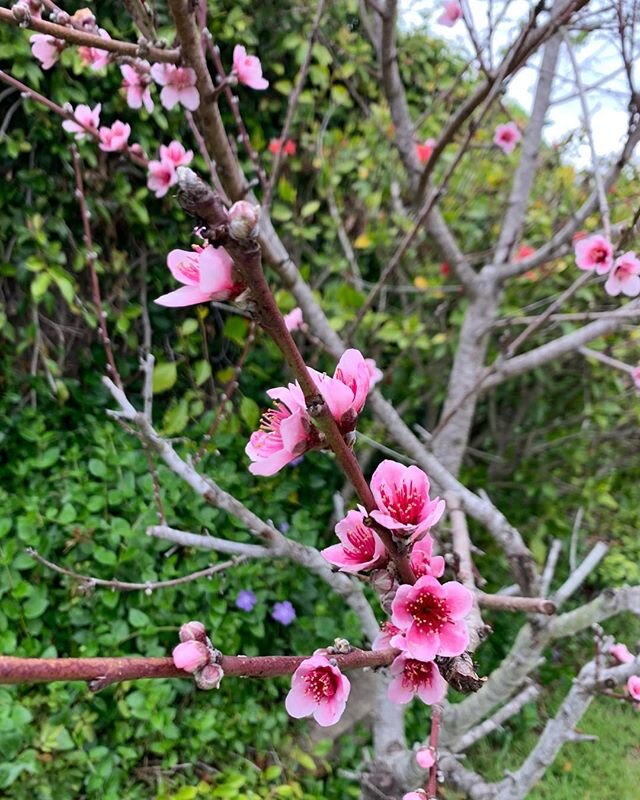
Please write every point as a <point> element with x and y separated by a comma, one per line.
<point>193,630</point>
<point>425,757</point>
<point>190,655</point>
<point>209,677</point>
<point>243,220</point>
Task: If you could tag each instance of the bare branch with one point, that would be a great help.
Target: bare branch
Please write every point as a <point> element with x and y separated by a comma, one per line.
<point>579,576</point>
<point>88,582</point>
<point>495,722</point>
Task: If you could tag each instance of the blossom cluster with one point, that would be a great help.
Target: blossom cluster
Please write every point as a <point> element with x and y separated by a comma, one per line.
<point>596,253</point>
<point>178,82</point>
<point>427,618</point>
<point>286,430</point>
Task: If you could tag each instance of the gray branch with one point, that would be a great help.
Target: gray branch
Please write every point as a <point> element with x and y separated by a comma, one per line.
<point>280,546</point>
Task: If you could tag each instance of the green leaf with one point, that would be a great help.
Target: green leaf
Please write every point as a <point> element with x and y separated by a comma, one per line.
<point>97,467</point>
<point>165,375</point>
<point>202,371</point>
<point>40,285</point>
<point>249,412</point>
<point>310,208</point>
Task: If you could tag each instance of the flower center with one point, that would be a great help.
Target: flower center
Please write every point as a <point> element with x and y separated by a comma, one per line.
<point>361,543</point>
<point>189,267</point>
<point>416,673</point>
<point>321,684</point>
<point>429,613</point>
<point>405,504</point>
<point>599,255</point>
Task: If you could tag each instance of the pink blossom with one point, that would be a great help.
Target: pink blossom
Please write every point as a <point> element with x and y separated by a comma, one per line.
<point>94,56</point>
<point>635,374</point>
<point>179,85</point>
<point>190,655</point>
<point>425,757</point>
<point>85,118</point>
<point>135,82</point>
<point>206,274</point>
<point>451,14</point>
<point>423,562</point>
<point>621,653</point>
<point>423,151</point>
<point>319,689</point>
<point>284,432</point>
<point>162,176</point>
<point>624,277</point>
<point>594,252</point>
<point>507,137</point>
<point>412,676</point>
<point>387,632</point>
<point>432,617</point>
<point>294,319</point>
<point>114,138</point>
<point>174,153</point>
<point>248,69</point>
<point>360,547</point>
<point>375,374</point>
<point>633,687</point>
<point>289,148</point>
<point>419,795</point>
<point>348,389</point>
<point>46,49</point>
<point>402,496</point>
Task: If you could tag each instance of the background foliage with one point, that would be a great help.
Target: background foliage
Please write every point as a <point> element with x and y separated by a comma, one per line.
<point>78,489</point>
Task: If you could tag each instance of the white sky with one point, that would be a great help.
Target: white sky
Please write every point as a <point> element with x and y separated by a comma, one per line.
<point>598,59</point>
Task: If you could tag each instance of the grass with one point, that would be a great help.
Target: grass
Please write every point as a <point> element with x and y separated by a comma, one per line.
<point>608,768</point>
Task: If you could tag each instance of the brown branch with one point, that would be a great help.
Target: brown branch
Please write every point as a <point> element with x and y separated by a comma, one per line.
<point>432,783</point>
<point>75,36</point>
<point>89,582</point>
<point>197,198</point>
<point>105,671</point>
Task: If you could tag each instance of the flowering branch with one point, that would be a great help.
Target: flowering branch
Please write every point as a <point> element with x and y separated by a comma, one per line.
<point>74,36</point>
<point>105,671</point>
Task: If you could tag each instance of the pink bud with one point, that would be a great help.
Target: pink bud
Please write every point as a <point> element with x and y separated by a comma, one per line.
<point>622,654</point>
<point>243,220</point>
<point>190,655</point>
<point>425,758</point>
<point>193,630</point>
<point>209,677</point>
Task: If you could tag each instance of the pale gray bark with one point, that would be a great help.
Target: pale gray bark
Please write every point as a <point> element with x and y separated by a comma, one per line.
<point>278,544</point>
<point>558,348</point>
<point>458,411</point>
<point>560,729</point>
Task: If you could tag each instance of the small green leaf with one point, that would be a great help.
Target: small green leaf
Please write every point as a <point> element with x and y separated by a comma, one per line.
<point>165,375</point>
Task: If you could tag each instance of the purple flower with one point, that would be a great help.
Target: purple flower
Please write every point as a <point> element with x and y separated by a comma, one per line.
<point>246,600</point>
<point>284,527</point>
<point>283,612</point>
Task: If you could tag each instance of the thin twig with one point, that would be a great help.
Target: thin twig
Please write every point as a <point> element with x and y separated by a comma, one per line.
<point>294,97</point>
<point>89,582</point>
<point>91,257</point>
